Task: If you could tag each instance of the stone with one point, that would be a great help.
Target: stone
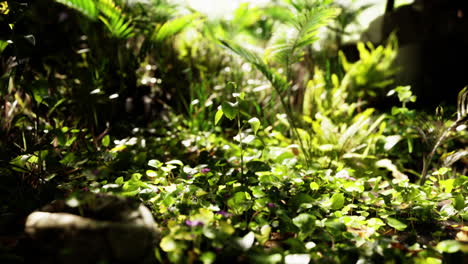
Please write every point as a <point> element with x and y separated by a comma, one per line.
<point>94,228</point>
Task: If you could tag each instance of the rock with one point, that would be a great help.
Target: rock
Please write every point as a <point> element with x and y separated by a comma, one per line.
<point>94,228</point>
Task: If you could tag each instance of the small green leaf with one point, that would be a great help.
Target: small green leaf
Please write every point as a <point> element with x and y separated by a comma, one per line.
<point>255,124</point>
<point>155,163</point>
<point>305,222</point>
<point>337,201</point>
<point>175,162</point>
<point>264,234</point>
<point>375,223</point>
<point>353,187</point>
<point>169,200</point>
<point>447,185</point>
<point>239,202</point>
<point>226,228</point>
<point>208,257</point>
<point>229,110</point>
<point>314,186</point>
<point>130,193</point>
<point>136,177</point>
<point>119,180</point>
<point>429,260</point>
<point>151,173</point>
<point>168,244</point>
<point>459,202</point>
<point>3,45</point>
<point>218,116</point>
<point>398,225</point>
<point>334,226</point>
<point>449,246</point>
<point>106,141</point>
<point>247,241</point>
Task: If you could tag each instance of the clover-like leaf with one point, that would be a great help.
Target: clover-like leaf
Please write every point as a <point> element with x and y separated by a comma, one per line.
<point>168,244</point>
<point>247,241</point>
<point>229,110</point>
<point>448,246</point>
<point>337,201</point>
<point>255,124</point>
<point>155,163</point>
<point>397,224</point>
<point>305,222</point>
<point>106,141</point>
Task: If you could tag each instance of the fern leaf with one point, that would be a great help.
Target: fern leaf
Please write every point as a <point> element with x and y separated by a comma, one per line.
<point>279,13</point>
<point>86,7</point>
<point>111,14</point>
<point>113,17</point>
<point>173,27</point>
<point>300,32</point>
<point>278,82</point>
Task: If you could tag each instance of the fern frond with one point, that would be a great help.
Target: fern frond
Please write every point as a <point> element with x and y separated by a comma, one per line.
<point>245,16</point>
<point>107,11</point>
<point>173,27</point>
<point>113,17</point>
<point>462,105</point>
<point>279,13</point>
<point>86,7</point>
<point>300,32</point>
<point>300,5</point>
<point>278,82</point>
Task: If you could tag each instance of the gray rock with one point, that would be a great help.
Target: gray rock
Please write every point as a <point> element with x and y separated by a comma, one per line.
<point>95,228</point>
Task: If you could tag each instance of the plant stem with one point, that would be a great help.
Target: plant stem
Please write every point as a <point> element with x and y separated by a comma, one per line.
<point>241,145</point>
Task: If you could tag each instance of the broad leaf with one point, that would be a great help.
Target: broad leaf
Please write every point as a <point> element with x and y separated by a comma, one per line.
<point>168,244</point>
<point>229,110</point>
<point>398,225</point>
<point>255,124</point>
<point>305,222</point>
<point>449,246</point>
<point>106,141</point>
<point>247,241</point>
<point>337,201</point>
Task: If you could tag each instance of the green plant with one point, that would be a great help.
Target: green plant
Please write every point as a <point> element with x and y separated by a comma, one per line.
<point>304,20</point>
<point>106,11</point>
<point>462,114</point>
<point>235,189</point>
<point>233,111</point>
<point>373,72</point>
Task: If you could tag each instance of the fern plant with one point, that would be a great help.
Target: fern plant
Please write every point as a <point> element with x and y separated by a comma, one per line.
<point>374,70</point>
<point>107,11</point>
<point>337,129</point>
<point>298,32</point>
<point>301,24</point>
